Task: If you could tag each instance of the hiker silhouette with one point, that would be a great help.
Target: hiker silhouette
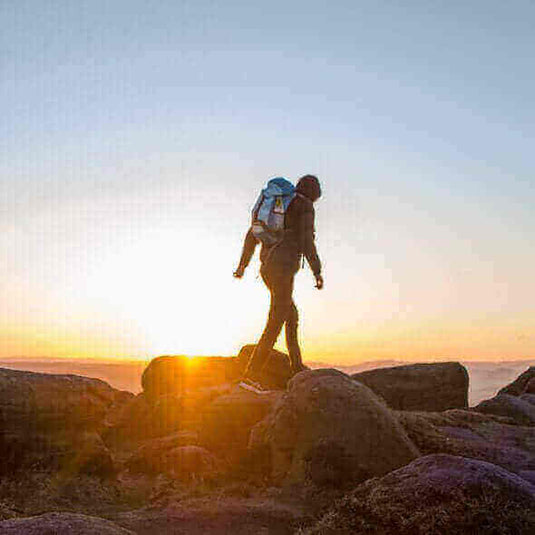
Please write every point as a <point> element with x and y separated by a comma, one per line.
<point>283,223</point>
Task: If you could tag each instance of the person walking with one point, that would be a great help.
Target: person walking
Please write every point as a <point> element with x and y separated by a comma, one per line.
<point>279,265</point>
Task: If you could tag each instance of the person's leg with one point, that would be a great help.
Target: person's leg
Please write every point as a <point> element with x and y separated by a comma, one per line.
<point>292,342</point>
<point>281,287</point>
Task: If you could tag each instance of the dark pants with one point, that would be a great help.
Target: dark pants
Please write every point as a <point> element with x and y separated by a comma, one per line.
<point>282,311</point>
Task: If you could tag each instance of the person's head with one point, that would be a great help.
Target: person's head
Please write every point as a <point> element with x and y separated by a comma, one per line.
<point>309,186</point>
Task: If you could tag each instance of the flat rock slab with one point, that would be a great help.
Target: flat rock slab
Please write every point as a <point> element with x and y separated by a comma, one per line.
<point>420,387</point>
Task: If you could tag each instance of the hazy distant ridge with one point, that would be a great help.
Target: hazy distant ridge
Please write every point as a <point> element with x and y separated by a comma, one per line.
<point>486,378</point>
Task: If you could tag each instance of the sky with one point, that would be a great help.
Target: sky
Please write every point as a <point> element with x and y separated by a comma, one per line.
<point>136,136</point>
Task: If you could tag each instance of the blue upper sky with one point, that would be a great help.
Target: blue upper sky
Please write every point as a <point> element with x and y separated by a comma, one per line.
<point>126,118</point>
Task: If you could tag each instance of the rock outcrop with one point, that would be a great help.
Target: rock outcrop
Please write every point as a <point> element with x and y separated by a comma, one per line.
<point>331,430</point>
<point>523,384</point>
<point>484,437</point>
<point>420,387</point>
<point>55,402</point>
<point>46,418</point>
<point>61,524</point>
<point>180,375</point>
<point>434,495</point>
<point>520,408</point>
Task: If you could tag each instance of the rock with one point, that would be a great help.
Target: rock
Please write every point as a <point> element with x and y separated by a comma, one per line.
<point>90,456</point>
<point>524,383</point>
<point>434,495</point>
<point>178,375</point>
<point>43,416</point>
<point>484,437</point>
<point>55,402</point>
<point>420,387</point>
<point>61,524</point>
<point>220,514</point>
<point>170,413</point>
<point>190,463</point>
<point>518,408</point>
<point>182,461</point>
<point>144,419</point>
<point>130,424</point>
<point>331,430</point>
<point>228,420</point>
<point>277,371</point>
<point>151,457</point>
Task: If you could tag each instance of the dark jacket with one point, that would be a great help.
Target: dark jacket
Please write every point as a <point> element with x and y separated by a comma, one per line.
<point>298,239</point>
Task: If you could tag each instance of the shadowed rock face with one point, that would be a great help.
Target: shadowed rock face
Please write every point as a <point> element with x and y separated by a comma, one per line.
<point>420,387</point>
<point>523,384</point>
<point>490,438</point>
<point>61,524</point>
<point>331,430</point>
<point>228,420</point>
<point>515,401</point>
<point>519,408</point>
<point>55,402</point>
<point>44,417</point>
<point>434,495</point>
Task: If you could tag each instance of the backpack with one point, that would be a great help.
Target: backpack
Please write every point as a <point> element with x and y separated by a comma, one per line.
<point>269,210</point>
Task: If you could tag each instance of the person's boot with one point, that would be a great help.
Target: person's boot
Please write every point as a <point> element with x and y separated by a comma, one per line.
<point>253,386</point>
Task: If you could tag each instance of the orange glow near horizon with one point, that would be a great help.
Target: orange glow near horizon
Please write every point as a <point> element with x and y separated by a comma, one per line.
<point>424,342</point>
<point>160,296</point>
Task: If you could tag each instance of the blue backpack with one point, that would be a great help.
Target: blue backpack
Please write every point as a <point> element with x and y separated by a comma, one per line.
<point>269,210</point>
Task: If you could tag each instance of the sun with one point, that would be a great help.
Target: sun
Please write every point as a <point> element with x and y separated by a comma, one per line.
<point>181,303</point>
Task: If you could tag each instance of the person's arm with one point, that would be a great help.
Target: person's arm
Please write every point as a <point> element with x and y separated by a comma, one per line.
<point>249,246</point>
<point>309,245</point>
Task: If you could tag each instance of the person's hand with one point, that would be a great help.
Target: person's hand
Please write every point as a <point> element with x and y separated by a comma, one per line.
<point>238,273</point>
<point>319,281</point>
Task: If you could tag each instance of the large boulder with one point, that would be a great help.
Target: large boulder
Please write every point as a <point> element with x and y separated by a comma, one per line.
<point>46,419</point>
<point>434,495</point>
<point>523,384</point>
<point>331,430</point>
<point>420,387</point>
<point>228,420</point>
<point>46,402</point>
<point>179,375</point>
<point>61,524</point>
<point>519,408</point>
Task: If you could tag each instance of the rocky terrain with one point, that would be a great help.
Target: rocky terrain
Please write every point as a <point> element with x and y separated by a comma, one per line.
<point>395,450</point>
